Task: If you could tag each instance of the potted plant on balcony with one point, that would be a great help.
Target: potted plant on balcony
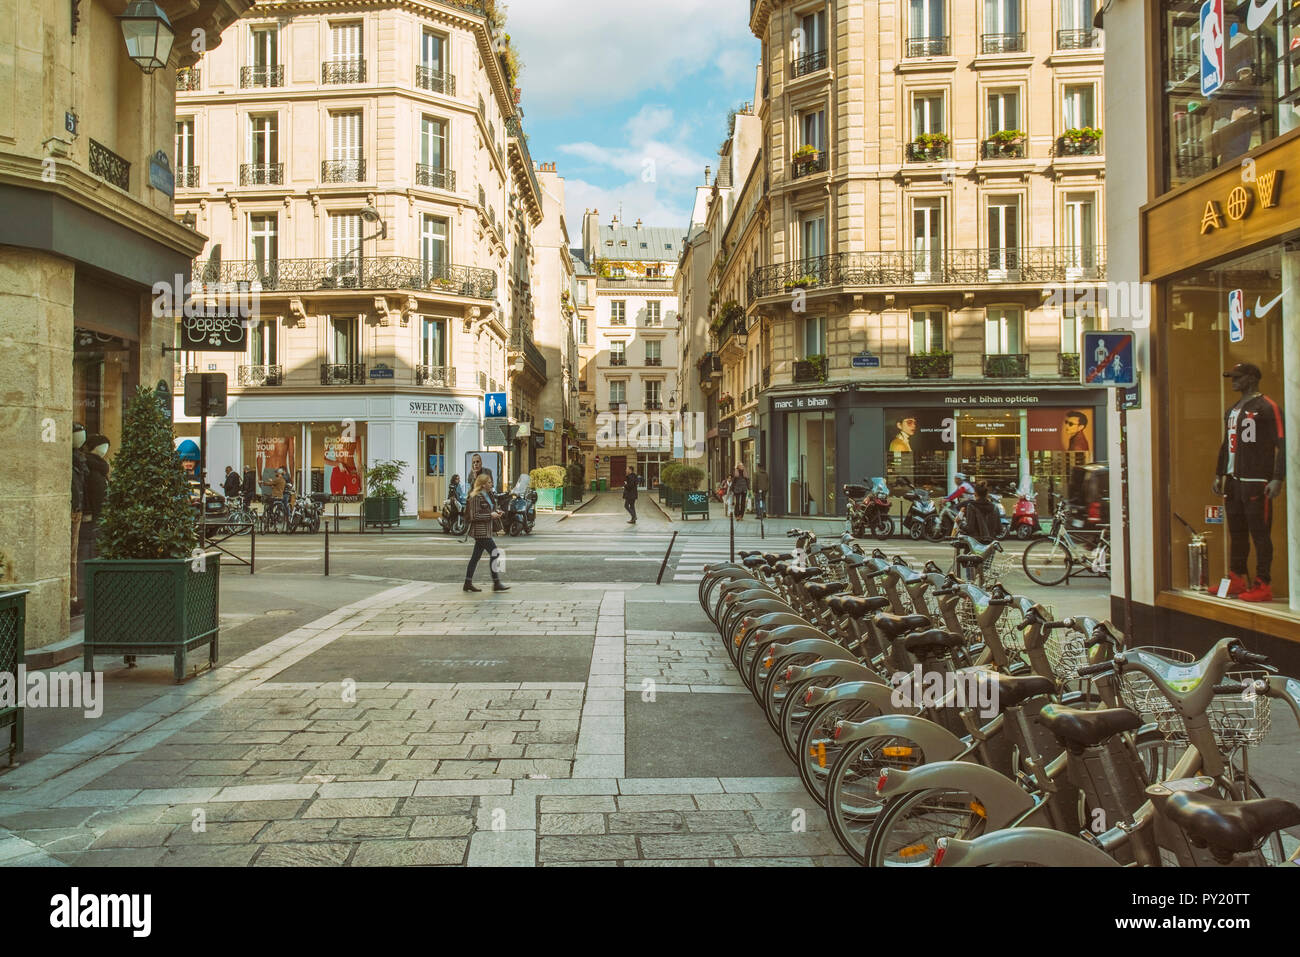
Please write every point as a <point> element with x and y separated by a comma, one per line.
<point>935,364</point>
<point>151,592</point>
<point>1008,142</point>
<point>805,155</point>
<point>384,501</point>
<point>805,281</point>
<point>931,146</point>
<point>548,482</point>
<point>1080,139</point>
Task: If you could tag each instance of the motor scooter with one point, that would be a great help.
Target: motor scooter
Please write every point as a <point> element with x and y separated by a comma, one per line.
<point>1024,520</point>
<point>922,519</point>
<point>521,510</point>
<point>856,496</point>
<point>454,518</point>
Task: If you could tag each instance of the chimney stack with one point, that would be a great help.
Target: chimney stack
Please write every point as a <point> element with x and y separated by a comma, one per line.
<point>707,171</point>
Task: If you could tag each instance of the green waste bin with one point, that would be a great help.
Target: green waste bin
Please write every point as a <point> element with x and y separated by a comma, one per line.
<point>604,485</point>
<point>595,485</point>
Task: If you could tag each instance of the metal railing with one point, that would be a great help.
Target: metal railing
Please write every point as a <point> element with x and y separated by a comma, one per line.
<point>653,405</point>
<point>435,81</point>
<point>813,163</point>
<point>710,365</point>
<point>187,177</point>
<point>187,78</point>
<point>343,373</point>
<point>343,70</point>
<point>927,46</point>
<point>1006,366</point>
<point>617,360</point>
<point>1077,147</point>
<point>1027,264</point>
<point>379,272</point>
<point>992,149</point>
<point>107,165</point>
<point>261,174</point>
<point>924,366</point>
<point>259,375</point>
<point>1067,365</point>
<point>439,177</point>
<point>1002,43</point>
<point>1076,39</point>
<point>443,376</point>
<point>261,76</point>
<point>809,63</point>
<point>516,131</point>
<point>654,360</point>
<point>632,282</point>
<point>343,171</point>
<point>735,326</point>
<point>919,153</point>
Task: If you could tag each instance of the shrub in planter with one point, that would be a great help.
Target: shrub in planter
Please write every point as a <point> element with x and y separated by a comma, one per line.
<point>547,482</point>
<point>686,478</point>
<point>151,592</point>
<point>384,501</point>
<point>671,496</point>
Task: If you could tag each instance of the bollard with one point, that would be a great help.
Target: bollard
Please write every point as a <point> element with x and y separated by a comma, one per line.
<point>252,548</point>
<point>327,551</point>
<point>664,564</point>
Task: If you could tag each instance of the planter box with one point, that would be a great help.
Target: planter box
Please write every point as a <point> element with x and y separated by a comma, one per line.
<point>549,497</point>
<point>672,499</point>
<point>152,607</point>
<point>383,511</point>
<point>13,617</point>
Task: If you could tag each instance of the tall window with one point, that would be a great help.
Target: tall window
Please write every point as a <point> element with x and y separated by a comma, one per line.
<point>433,142</point>
<point>927,331</point>
<point>653,317</point>
<point>812,127</point>
<point>1004,234</point>
<point>927,113</point>
<point>582,329</point>
<point>262,345</point>
<point>263,241</point>
<point>1075,321</point>
<point>618,353</point>
<point>927,237</point>
<point>433,52</point>
<point>1077,15</point>
<point>263,140</point>
<point>813,27</point>
<point>345,344</point>
<point>654,353</point>
<point>580,289</point>
<point>617,312</point>
<point>813,229</point>
<point>345,41</point>
<point>1002,16</point>
<point>1004,111</point>
<point>653,393</point>
<point>617,392</point>
<point>345,242</point>
<point>1078,106</point>
<point>433,342</point>
<point>814,336</point>
<point>925,19</point>
<point>345,143</point>
<point>1002,332</point>
<point>433,246</point>
<point>263,56</point>
<point>185,144</point>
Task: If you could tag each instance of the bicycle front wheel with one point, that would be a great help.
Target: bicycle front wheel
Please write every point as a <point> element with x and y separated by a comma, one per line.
<point>1046,562</point>
<point>852,804</point>
<point>908,832</point>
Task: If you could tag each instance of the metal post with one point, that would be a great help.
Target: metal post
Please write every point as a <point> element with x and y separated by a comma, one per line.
<point>252,548</point>
<point>731,513</point>
<point>327,550</point>
<point>664,563</point>
<point>1123,492</point>
<point>203,464</point>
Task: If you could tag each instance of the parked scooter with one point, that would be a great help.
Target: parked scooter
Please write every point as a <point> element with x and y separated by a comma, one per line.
<point>856,510</point>
<point>922,519</point>
<point>1024,520</point>
<point>521,510</point>
<point>454,518</point>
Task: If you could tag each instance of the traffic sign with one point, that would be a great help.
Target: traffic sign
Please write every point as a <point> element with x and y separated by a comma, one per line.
<point>205,393</point>
<point>494,405</point>
<point>1109,360</point>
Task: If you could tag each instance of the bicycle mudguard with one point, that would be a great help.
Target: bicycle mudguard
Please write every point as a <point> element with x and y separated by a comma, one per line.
<point>1001,798</point>
<point>873,692</point>
<point>846,669</point>
<point>766,618</point>
<point>811,646</point>
<point>936,741</point>
<point>789,634</point>
<point>1024,845</point>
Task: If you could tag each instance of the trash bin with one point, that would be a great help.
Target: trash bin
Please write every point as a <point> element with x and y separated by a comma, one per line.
<point>604,485</point>
<point>595,485</point>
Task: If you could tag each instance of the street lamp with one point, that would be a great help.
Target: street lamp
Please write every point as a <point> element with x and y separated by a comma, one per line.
<point>371,215</point>
<point>148,34</point>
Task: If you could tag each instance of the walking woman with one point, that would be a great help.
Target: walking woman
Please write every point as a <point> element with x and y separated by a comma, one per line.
<point>739,489</point>
<point>481,516</point>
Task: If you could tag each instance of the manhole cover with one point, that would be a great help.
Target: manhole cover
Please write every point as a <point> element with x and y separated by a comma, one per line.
<point>280,612</point>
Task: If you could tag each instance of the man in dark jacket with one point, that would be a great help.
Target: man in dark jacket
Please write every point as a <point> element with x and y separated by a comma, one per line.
<point>982,515</point>
<point>249,486</point>
<point>629,495</point>
<point>231,485</point>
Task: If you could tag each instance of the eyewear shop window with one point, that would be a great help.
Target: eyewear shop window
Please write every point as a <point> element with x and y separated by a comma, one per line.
<point>810,462</point>
<point>1228,470</point>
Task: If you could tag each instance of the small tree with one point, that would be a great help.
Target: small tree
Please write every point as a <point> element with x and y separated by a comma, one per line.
<point>686,478</point>
<point>550,476</point>
<point>667,472</point>
<point>148,513</point>
<point>381,481</point>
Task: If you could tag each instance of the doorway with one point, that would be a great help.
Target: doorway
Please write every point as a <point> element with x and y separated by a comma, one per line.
<point>433,480</point>
<point>617,470</point>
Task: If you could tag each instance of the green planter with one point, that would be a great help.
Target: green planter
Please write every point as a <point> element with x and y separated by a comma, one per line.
<point>550,497</point>
<point>695,503</point>
<point>672,499</point>
<point>152,607</point>
<point>573,495</point>
<point>383,511</point>
<point>13,617</point>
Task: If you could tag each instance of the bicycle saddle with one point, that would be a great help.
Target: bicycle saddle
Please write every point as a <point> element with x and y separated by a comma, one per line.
<point>773,557</point>
<point>856,607</point>
<point>932,642</point>
<point>1234,826</point>
<point>821,590</point>
<point>744,555</point>
<point>803,574</point>
<point>893,626</point>
<point>1078,729</point>
<point>753,561</point>
<point>855,560</point>
<point>1012,691</point>
<point>782,565</point>
<point>966,558</point>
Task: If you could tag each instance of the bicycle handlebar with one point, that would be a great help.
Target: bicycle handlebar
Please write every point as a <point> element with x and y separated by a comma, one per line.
<point>1086,670</point>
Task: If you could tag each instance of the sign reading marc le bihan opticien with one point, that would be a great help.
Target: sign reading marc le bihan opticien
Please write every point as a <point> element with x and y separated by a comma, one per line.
<point>216,321</point>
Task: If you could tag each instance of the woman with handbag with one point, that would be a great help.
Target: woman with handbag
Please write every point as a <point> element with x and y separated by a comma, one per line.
<point>481,517</point>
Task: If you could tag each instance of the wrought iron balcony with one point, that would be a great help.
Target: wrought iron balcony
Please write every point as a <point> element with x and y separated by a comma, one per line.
<point>919,152</point>
<point>927,46</point>
<point>654,360</point>
<point>1067,365</point>
<point>1006,366</point>
<point>809,63</point>
<point>1078,146</point>
<point>435,81</point>
<point>343,70</point>
<point>259,375</point>
<point>653,405</point>
<point>1076,39</point>
<point>942,267</point>
<point>996,149</point>
<point>441,376</point>
<point>187,78</point>
<point>380,272</point>
<point>618,360</point>
<point>261,76</point>
<point>261,174</point>
<point>348,373</point>
<point>439,177</point>
<point>710,366</point>
<point>187,177</point>
<point>930,366</point>
<point>343,171</point>
<point>1002,43</point>
<point>107,165</point>
<point>735,325</point>
<point>808,164</point>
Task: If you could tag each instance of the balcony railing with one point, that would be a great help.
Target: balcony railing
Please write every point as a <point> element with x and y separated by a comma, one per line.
<point>261,76</point>
<point>522,341</point>
<point>943,267</point>
<point>343,70</point>
<point>633,282</point>
<point>618,320</point>
<point>348,373</point>
<point>1067,365</point>
<point>439,177</point>
<point>654,360</point>
<point>1071,146</point>
<point>187,177</point>
<point>261,174</point>
<point>380,272</point>
<point>1006,366</point>
<point>187,78</point>
<point>343,171</point>
<point>618,360</point>
<point>930,366</point>
<point>441,376</point>
<point>1076,39</point>
<point>1002,43</point>
<point>435,81</point>
<point>809,63</point>
<point>109,166</point>
<point>808,164</point>
<point>653,405</point>
<point>735,326</point>
<point>928,153</point>
<point>710,365</point>
<point>806,370</point>
<point>996,149</point>
<point>259,375</point>
<point>927,46</point>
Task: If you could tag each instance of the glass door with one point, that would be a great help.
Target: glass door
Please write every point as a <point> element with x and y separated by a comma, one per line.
<point>1004,237</point>
<point>927,240</point>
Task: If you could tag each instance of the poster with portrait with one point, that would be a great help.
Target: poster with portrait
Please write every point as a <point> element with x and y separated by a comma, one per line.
<point>1061,430</point>
<point>342,468</point>
<point>476,462</point>
<point>918,430</point>
<point>273,452</point>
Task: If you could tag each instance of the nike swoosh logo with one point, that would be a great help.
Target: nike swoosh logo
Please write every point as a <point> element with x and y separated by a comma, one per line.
<point>1261,311</point>
<point>1256,15</point>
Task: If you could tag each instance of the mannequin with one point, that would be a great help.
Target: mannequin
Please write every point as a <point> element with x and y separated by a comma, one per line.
<point>1249,476</point>
<point>96,495</point>
<point>79,472</point>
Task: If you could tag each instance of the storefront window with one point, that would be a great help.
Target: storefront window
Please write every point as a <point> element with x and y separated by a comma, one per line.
<point>104,371</point>
<point>989,446</point>
<point>917,447</point>
<point>1227,450</point>
<point>810,463</point>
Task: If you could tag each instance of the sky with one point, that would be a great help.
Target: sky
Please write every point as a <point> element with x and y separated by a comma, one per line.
<point>630,100</point>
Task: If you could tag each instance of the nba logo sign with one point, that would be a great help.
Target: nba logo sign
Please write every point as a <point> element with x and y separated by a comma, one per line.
<point>1236,316</point>
<point>1212,46</point>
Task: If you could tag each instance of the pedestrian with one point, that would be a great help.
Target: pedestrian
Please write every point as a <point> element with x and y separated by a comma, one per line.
<point>280,490</point>
<point>231,485</point>
<point>481,517</point>
<point>249,486</point>
<point>761,485</point>
<point>739,489</point>
<point>629,495</point>
<point>982,517</point>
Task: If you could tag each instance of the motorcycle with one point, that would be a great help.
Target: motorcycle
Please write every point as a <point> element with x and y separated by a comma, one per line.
<point>1024,520</point>
<point>921,520</point>
<point>521,510</point>
<point>857,509</point>
<point>454,518</point>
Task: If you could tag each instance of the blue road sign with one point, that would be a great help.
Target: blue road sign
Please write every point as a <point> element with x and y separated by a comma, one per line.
<point>494,405</point>
<point>866,360</point>
<point>1108,360</point>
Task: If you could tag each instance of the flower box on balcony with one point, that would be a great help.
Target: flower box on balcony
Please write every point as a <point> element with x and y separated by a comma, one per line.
<point>803,282</point>
<point>804,154</point>
<point>930,365</point>
<point>1082,140</point>
<point>811,369</point>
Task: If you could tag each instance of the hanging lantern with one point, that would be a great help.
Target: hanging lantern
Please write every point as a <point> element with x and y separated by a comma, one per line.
<point>148,34</point>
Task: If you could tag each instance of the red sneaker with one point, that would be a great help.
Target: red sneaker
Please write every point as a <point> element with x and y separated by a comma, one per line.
<point>1237,584</point>
<point>1261,591</point>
